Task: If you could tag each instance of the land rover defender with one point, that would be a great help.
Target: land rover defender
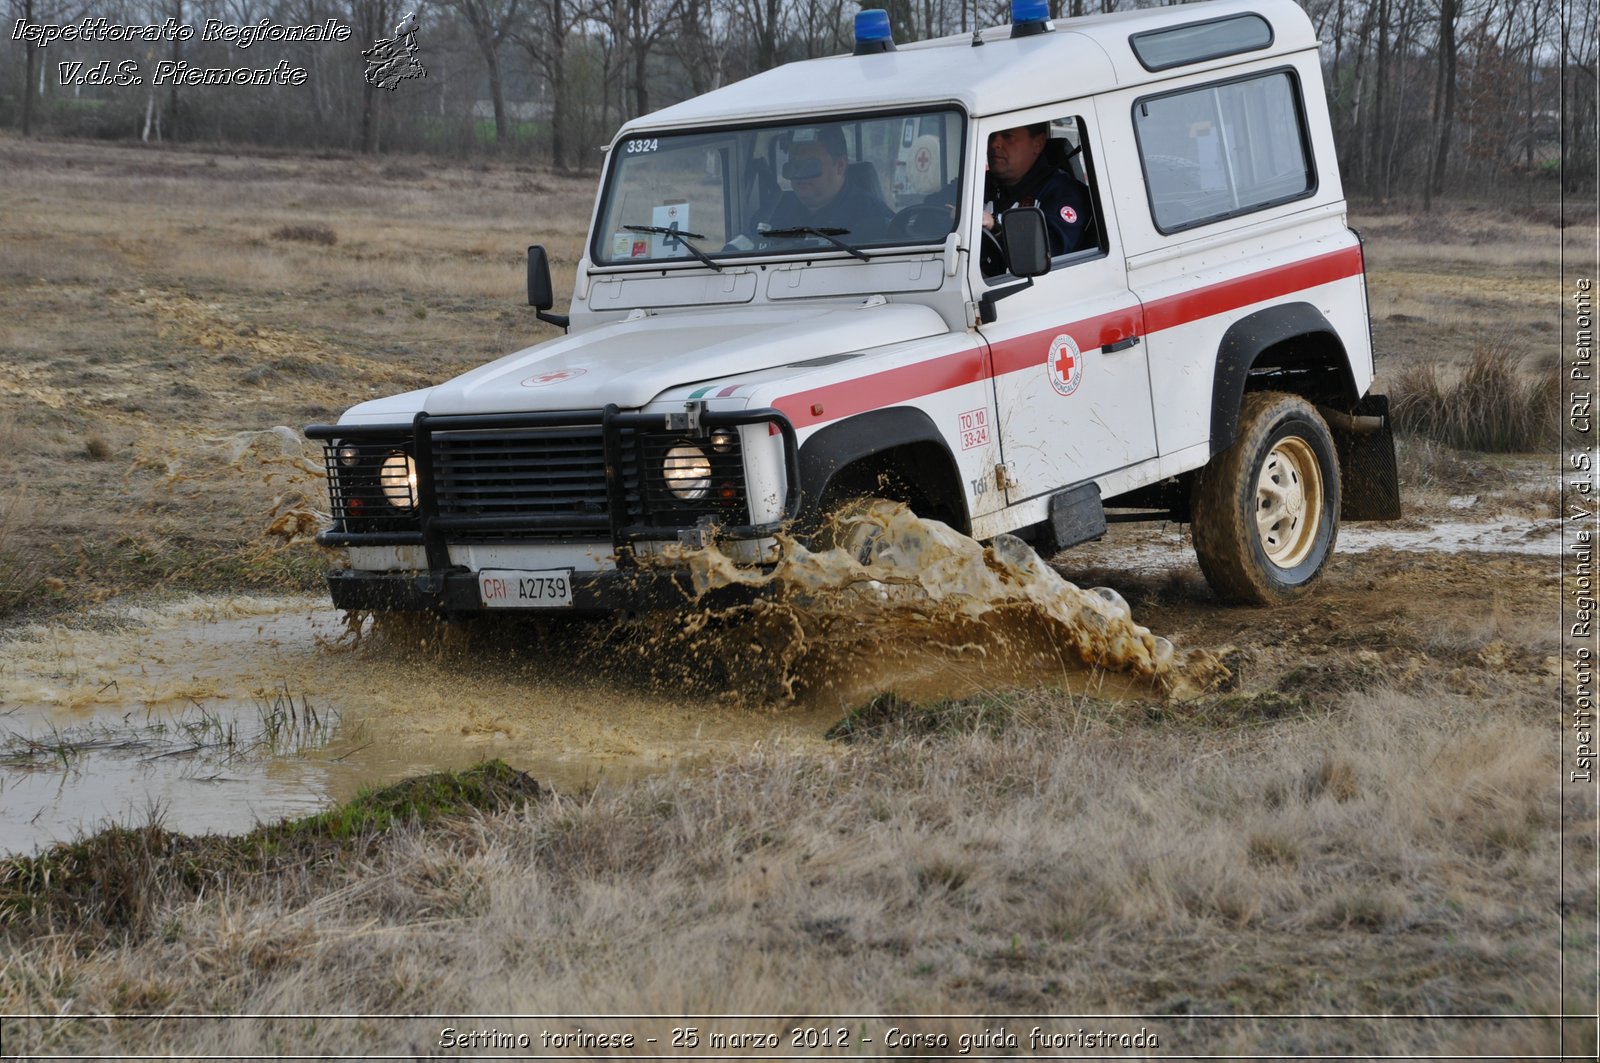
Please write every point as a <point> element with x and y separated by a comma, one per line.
<point>725,382</point>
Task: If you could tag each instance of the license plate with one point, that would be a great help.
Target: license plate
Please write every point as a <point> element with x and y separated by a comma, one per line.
<point>503,588</point>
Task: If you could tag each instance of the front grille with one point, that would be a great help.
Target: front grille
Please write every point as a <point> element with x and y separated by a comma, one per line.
<point>550,483</point>
<point>540,477</point>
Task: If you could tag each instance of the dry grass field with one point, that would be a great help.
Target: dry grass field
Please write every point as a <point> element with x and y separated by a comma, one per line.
<point>1366,820</point>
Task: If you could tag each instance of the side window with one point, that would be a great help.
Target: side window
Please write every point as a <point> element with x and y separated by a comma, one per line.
<point>1047,165</point>
<point>1069,148</point>
<point>1223,149</point>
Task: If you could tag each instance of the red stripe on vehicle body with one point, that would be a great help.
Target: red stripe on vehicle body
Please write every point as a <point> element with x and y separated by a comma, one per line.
<point>1227,295</point>
<point>1028,352</point>
<point>895,386</point>
<point>849,397</point>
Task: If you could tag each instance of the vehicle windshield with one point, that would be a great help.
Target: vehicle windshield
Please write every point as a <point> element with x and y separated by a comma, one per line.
<point>852,185</point>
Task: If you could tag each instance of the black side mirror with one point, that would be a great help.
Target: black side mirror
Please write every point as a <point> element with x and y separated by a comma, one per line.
<point>541,293</point>
<point>1026,240</point>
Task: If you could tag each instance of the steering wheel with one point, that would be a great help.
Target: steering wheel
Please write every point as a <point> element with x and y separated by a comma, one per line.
<point>911,222</point>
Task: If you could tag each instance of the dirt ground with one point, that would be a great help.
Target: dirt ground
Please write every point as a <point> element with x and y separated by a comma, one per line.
<point>170,319</point>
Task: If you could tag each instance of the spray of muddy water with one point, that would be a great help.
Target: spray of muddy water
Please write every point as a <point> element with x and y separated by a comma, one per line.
<point>894,602</point>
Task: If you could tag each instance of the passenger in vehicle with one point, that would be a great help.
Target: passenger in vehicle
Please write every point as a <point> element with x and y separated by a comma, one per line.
<point>827,191</point>
<point>1022,175</point>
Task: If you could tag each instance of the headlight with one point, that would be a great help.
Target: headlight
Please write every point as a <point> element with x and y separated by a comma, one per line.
<point>349,455</point>
<point>398,478</point>
<point>687,472</point>
<point>723,439</point>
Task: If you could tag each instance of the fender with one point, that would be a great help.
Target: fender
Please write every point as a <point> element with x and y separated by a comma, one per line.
<point>864,436</point>
<point>1242,345</point>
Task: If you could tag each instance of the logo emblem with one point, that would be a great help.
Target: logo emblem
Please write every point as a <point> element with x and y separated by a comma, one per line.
<point>1069,215</point>
<point>392,60</point>
<point>1064,364</point>
<point>555,376</point>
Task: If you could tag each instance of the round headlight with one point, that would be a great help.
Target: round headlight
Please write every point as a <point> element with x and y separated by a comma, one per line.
<point>687,472</point>
<point>349,455</point>
<point>398,478</point>
<point>723,439</point>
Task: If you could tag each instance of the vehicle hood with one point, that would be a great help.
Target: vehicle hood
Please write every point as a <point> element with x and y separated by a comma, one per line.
<point>630,362</point>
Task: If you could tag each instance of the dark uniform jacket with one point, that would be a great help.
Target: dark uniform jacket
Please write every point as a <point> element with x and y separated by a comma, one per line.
<point>1063,198</point>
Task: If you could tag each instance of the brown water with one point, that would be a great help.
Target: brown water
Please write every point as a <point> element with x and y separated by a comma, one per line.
<point>216,713</point>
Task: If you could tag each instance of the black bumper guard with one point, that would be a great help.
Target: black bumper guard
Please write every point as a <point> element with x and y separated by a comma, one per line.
<point>434,529</point>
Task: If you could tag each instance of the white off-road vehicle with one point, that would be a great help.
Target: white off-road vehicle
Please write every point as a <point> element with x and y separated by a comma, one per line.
<point>1203,355</point>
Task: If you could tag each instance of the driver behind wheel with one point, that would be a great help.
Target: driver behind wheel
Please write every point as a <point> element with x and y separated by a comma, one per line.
<point>821,192</point>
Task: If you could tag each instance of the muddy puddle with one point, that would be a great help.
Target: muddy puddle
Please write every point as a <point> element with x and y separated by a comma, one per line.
<point>217,713</point>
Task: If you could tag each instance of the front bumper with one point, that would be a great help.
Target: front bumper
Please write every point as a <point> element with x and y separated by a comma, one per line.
<point>634,590</point>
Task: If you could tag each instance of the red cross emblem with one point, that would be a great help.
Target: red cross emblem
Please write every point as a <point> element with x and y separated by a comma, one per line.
<point>1064,363</point>
<point>555,376</point>
<point>924,159</point>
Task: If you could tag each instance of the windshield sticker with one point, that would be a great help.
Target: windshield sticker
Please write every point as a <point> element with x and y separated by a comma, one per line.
<point>555,376</point>
<point>673,214</point>
<point>628,245</point>
<point>1064,364</point>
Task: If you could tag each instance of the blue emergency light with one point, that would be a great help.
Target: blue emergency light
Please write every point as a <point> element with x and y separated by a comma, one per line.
<point>872,32</point>
<point>1029,17</point>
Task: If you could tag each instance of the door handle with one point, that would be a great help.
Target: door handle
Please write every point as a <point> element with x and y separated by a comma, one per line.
<point>1120,345</point>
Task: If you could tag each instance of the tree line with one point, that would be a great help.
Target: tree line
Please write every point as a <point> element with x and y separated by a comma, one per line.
<point>1429,98</point>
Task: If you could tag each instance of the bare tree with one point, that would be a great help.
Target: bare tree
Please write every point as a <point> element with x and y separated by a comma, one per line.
<point>700,44</point>
<point>543,35</point>
<point>762,24</point>
<point>371,21</point>
<point>491,22</point>
<point>1444,101</point>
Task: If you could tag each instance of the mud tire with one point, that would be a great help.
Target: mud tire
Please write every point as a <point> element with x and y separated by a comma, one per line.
<point>1266,510</point>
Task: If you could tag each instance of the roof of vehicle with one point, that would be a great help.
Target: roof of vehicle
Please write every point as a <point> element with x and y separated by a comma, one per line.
<point>1082,56</point>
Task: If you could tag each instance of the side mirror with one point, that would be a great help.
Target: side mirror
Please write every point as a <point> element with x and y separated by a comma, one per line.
<point>541,293</point>
<point>1026,240</point>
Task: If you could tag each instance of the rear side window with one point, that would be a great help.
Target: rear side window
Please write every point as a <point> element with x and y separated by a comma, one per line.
<point>1199,41</point>
<point>1227,148</point>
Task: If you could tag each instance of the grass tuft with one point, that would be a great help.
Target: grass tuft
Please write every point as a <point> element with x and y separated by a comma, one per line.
<point>123,879</point>
<point>1490,406</point>
<point>306,234</point>
<point>21,570</point>
<point>889,716</point>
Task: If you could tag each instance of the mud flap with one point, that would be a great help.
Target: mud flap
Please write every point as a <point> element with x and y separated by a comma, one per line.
<point>1076,516</point>
<point>1369,481</point>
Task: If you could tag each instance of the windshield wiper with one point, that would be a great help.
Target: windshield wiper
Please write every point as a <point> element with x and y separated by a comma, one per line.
<point>680,236</point>
<point>827,232</point>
